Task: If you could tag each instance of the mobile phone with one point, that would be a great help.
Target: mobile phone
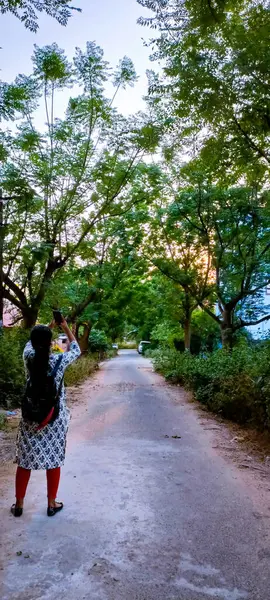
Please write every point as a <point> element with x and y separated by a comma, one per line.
<point>57,315</point>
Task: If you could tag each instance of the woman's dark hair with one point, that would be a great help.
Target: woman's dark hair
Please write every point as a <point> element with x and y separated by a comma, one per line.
<point>41,338</point>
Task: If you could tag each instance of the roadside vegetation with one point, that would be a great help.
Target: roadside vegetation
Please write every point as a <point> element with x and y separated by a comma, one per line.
<point>234,384</point>
<point>81,370</point>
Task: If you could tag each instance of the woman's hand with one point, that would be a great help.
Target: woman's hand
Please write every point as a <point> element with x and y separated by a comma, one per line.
<point>64,324</point>
<point>52,324</point>
<point>68,332</point>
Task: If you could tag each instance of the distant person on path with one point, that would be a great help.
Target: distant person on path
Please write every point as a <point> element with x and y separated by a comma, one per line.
<point>42,445</point>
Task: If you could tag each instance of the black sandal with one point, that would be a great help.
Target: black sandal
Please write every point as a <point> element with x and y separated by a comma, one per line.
<point>16,511</point>
<point>52,510</point>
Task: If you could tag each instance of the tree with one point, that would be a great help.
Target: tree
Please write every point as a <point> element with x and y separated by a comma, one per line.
<point>214,93</point>
<point>174,16</point>
<point>97,291</point>
<point>13,96</point>
<point>216,78</point>
<point>176,252</point>
<point>27,11</point>
<point>96,294</point>
<point>69,178</point>
<point>153,306</point>
<point>232,227</point>
<point>179,259</point>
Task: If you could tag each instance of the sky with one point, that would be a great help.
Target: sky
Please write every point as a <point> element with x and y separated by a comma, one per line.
<point>112,24</point>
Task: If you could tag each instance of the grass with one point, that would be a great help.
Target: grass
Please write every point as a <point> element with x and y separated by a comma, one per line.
<point>3,422</point>
<point>80,370</point>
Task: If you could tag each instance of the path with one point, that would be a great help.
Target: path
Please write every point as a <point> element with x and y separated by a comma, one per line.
<point>147,517</point>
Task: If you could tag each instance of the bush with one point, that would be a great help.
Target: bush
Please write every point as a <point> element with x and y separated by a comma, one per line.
<point>12,376</point>
<point>235,384</point>
<point>3,421</point>
<point>167,333</point>
<point>205,333</point>
<point>98,342</point>
<point>80,370</point>
<point>111,352</point>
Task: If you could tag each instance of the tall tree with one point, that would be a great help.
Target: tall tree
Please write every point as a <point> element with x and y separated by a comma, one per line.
<point>175,251</point>
<point>216,77</point>
<point>232,228</point>
<point>70,177</point>
<point>214,92</point>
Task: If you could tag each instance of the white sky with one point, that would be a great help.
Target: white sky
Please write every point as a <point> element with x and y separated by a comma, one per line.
<point>112,24</point>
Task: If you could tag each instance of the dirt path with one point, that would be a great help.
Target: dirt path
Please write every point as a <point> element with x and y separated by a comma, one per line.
<point>161,503</point>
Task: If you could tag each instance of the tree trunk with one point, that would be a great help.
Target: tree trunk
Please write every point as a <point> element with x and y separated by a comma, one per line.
<point>188,306</point>
<point>83,339</point>
<point>187,332</point>
<point>227,329</point>
<point>30,316</point>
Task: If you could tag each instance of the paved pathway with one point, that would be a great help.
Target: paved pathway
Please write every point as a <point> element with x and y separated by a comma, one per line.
<point>147,517</point>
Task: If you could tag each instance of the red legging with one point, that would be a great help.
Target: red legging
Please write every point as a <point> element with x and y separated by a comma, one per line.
<point>23,476</point>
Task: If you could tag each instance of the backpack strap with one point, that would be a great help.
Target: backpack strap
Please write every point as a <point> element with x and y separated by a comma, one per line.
<point>57,365</point>
<point>54,371</point>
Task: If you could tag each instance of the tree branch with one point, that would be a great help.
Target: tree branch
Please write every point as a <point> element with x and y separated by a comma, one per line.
<point>251,323</point>
<point>251,143</point>
<point>16,290</point>
<point>13,300</point>
<point>78,310</point>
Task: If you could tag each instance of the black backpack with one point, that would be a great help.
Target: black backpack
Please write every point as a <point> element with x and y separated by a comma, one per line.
<point>38,403</point>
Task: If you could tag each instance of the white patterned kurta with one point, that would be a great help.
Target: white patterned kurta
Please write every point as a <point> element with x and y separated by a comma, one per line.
<point>45,449</point>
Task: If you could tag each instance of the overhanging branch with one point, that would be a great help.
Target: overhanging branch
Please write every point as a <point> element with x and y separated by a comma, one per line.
<point>251,323</point>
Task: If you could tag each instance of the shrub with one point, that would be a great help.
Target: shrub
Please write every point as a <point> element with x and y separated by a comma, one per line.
<point>167,333</point>
<point>205,333</point>
<point>3,421</point>
<point>80,370</point>
<point>235,384</point>
<point>111,352</point>
<point>98,341</point>
<point>12,377</point>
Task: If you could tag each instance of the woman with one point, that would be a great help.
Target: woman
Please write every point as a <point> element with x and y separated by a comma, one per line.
<point>43,446</point>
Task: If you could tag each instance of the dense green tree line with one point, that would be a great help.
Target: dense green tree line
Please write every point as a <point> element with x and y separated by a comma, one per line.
<point>143,222</point>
